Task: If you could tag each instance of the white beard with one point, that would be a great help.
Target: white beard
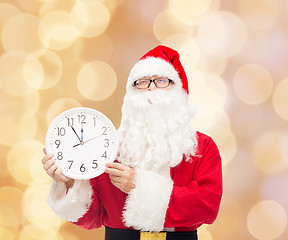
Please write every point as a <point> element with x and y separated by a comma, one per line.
<point>154,133</point>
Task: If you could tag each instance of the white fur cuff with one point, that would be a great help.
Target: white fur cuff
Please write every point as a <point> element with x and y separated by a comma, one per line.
<point>74,204</point>
<point>147,203</point>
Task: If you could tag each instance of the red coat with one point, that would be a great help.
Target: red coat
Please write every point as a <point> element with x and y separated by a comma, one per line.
<point>194,199</point>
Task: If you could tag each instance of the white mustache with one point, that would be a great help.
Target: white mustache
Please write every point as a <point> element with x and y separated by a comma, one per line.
<point>148,98</point>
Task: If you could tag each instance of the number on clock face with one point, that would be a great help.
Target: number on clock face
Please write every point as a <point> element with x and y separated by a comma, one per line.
<point>82,141</point>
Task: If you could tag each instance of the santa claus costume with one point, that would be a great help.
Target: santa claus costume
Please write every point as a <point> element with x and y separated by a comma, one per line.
<point>178,177</point>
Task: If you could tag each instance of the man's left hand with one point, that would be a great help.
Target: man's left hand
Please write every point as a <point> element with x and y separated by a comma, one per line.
<point>121,176</point>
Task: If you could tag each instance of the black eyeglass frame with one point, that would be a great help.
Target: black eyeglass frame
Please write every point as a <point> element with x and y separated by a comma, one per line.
<point>152,80</point>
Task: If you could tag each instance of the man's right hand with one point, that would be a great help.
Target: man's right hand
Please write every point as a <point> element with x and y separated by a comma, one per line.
<point>54,171</point>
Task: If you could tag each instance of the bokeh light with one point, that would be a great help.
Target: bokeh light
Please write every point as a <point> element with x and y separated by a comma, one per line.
<point>227,36</point>
<point>191,8</point>
<point>7,11</point>
<point>32,232</point>
<point>165,24</point>
<point>11,209</point>
<point>16,130</point>
<point>267,220</point>
<point>94,78</point>
<point>36,210</point>
<point>259,14</point>
<point>92,49</point>
<point>11,74</point>
<point>59,106</point>
<point>253,84</point>
<point>267,153</point>
<point>90,18</point>
<point>20,157</point>
<point>56,31</point>
<point>6,234</point>
<point>273,188</point>
<point>14,30</point>
<point>42,69</point>
<point>280,99</point>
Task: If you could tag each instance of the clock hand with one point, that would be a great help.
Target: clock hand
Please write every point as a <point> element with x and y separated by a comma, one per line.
<point>81,143</point>
<point>82,133</point>
<point>76,133</point>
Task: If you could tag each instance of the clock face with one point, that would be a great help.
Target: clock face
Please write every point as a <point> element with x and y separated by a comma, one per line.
<point>82,141</point>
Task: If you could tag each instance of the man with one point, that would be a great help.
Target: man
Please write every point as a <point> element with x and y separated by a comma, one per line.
<point>166,180</point>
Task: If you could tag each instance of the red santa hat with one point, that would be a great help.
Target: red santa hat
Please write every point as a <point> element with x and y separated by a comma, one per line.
<point>161,61</point>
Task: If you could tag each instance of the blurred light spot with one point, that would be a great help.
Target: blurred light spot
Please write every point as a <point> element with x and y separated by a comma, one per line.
<point>193,16</point>
<point>29,6</point>
<point>246,119</point>
<point>216,83</point>
<point>267,155</point>
<point>42,69</point>
<point>56,31</point>
<point>32,232</point>
<point>11,208</point>
<point>209,103</point>
<point>90,18</point>
<point>191,7</point>
<point>19,107</point>
<point>283,147</point>
<point>253,84</point>
<point>71,236</point>
<point>267,220</point>
<point>235,183</point>
<point>7,11</point>
<point>7,217</point>
<point>6,234</point>
<point>15,130</point>
<point>20,157</point>
<point>187,48</point>
<point>11,74</point>
<point>229,204</point>
<point>21,33</point>
<point>280,99</point>
<point>92,49</point>
<point>96,80</point>
<point>227,36</point>
<point>272,188</point>
<point>213,63</point>
<point>165,24</point>
<point>35,208</point>
<point>196,78</point>
<point>259,14</point>
<point>204,234</point>
<point>226,143</point>
<point>36,167</point>
<point>59,106</point>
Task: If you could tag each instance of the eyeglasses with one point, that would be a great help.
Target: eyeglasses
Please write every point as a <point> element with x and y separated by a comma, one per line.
<point>161,82</point>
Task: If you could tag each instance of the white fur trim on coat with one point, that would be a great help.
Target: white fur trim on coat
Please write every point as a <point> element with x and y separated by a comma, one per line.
<point>74,204</point>
<point>146,205</point>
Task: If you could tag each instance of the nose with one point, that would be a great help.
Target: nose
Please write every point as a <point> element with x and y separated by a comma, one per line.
<point>152,86</point>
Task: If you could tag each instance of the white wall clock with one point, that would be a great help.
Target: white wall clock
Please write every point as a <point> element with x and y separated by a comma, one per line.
<point>82,141</point>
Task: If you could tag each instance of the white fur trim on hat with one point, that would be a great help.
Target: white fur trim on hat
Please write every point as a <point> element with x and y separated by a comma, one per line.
<point>153,66</point>
<point>147,203</point>
<point>74,204</point>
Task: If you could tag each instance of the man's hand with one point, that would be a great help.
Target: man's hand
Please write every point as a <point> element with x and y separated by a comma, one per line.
<point>54,171</point>
<point>121,176</point>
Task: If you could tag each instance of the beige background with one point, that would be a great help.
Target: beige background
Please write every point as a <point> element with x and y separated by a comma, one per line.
<point>55,55</point>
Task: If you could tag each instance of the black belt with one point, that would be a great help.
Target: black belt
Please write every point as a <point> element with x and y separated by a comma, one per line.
<point>129,234</point>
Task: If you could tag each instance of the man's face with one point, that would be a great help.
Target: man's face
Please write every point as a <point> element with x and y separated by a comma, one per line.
<point>152,85</point>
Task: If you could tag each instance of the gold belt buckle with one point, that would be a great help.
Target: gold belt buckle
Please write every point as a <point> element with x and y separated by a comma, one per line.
<point>153,236</point>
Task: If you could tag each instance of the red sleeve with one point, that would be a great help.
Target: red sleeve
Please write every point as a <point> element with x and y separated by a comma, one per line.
<point>197,201</point>
<point>93,218</point>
